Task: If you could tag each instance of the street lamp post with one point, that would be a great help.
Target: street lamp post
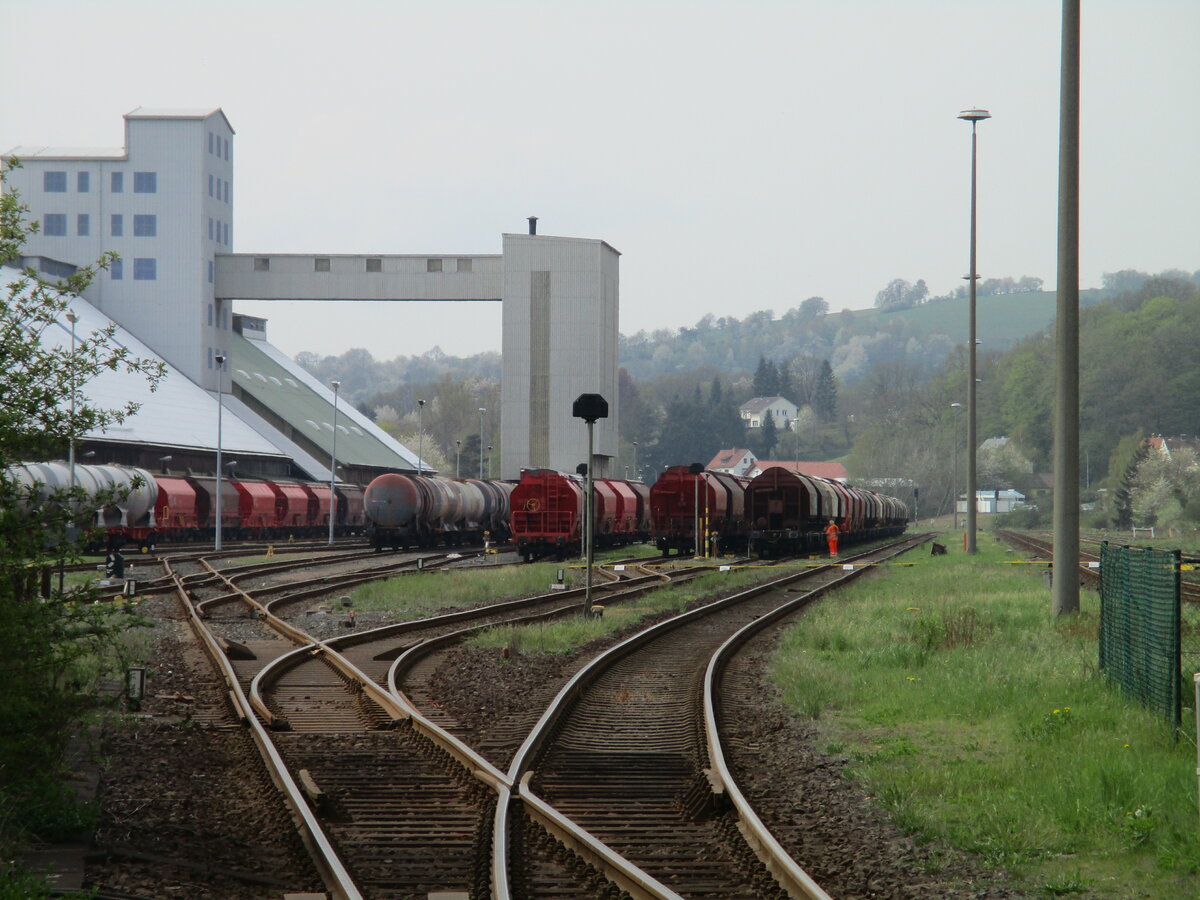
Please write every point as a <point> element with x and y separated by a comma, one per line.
<point>333,462</point>
<point>420,433</point>
<point>482,410</point>
<point>72,317</point>
<point>489,462</point>
<point>220,361</point>
<point>458,459</point>
<point>635,468</point>
<point>589,407</point>
<point>974,116</point>
<point>954,491</point>
<point>697,470</point>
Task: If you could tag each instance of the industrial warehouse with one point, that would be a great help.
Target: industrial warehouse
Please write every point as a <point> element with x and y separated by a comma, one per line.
<point>164,203</point>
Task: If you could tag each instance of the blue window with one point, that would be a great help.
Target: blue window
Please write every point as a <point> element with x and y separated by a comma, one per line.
<point>118,182</point>
<point>145,182</point>
<point>145,269</point>
<point>227,192</point>
<point>83,224</point>
<point>210,306</point>
<point>54,225</point>
<point>226,241</point>
<point>210,185</point>
<point>54,182</point>
<point>226,149</point>
<point>210,228</point>
<point>83,182</point>
<point>145,226</point>
<point>210,281</point>
<point>210,356</point>
<point>116,225</point>
<point>118,270</point>
<point>210,142</point>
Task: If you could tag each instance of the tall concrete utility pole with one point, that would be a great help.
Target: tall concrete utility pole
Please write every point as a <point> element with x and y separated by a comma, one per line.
<point>974,116</point>
<point>1066,406</point>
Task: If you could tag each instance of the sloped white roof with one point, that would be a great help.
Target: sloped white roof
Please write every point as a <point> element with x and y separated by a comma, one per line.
<point>178,414</point>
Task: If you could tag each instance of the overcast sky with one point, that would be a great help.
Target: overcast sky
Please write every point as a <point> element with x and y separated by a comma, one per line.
<point>740,155</point>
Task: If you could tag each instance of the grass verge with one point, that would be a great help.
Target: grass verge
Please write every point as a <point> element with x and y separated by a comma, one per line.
<point>978,718</point>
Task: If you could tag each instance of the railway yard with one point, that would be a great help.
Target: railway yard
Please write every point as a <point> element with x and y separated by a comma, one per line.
<point>401,783</point>
<point>298,739</point>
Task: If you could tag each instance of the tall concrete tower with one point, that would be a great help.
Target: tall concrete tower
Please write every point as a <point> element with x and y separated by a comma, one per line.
<point>164,202</point>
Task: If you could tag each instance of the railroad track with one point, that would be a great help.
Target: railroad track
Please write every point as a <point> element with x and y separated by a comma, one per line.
<point>379,788</point>
<point>1089,565</point>
<point>400,798</point>
<point>630,752</point>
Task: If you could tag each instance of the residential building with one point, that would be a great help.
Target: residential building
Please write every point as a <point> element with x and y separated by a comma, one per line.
<point>736,462</point>
<point>995,501</point>
<point>754,411</point>
<point>1165,446</point>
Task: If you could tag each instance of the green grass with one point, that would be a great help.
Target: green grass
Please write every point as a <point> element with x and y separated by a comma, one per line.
<point>569,634</point>
<point>977,718</point>
<point>423,593</point>
<point>420,594</point>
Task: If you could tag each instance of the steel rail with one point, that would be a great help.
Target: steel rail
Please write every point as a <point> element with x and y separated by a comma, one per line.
<point>778,861</point>
<point>329,865</point>
<point>522,767</point>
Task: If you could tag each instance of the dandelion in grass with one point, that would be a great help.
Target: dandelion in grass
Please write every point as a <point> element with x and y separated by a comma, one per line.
<point>913,678</point>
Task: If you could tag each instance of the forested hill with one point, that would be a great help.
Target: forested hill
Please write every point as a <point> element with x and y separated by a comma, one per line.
<point>852,340</point>
<point>905,328</point>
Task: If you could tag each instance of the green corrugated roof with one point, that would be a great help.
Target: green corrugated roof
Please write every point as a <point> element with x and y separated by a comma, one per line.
<point>304,409</point>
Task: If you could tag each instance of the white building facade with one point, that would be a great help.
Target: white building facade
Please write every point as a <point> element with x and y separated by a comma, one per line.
<point>164,203</point>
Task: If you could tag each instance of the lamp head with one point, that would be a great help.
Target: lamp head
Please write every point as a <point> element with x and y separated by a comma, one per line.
<point>974,115</point>
<point>335,385</point>
<point>220,359</point>
<point>72,316</point>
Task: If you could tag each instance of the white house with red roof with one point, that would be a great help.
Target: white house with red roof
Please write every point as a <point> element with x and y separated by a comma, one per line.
<point>1166,445</point>
<point>735,461</point>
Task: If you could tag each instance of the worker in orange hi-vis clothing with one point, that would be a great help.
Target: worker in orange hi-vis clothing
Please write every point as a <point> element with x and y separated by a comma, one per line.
<point>831,535</point>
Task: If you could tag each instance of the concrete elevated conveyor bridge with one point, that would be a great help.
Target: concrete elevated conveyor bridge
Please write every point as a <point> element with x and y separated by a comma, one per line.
<point>560,300</point>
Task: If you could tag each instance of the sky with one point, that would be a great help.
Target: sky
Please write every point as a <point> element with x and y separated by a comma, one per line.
<point>740,155</point>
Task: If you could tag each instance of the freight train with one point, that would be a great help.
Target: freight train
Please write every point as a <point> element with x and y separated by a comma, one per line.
<point>685,502</point>
<point>777,513</point>
<point>548,511</point>
<point>788,512</point>
<point>427,510</point>
<point>144,509</point>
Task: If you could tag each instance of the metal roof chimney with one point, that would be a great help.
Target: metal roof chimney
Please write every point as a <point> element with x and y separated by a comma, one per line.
<point>532,224</point>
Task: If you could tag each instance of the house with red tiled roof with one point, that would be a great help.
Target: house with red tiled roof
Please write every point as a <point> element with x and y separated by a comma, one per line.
<point>736,461</point>
<point>834,471</point>
<point>1165,445</point>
